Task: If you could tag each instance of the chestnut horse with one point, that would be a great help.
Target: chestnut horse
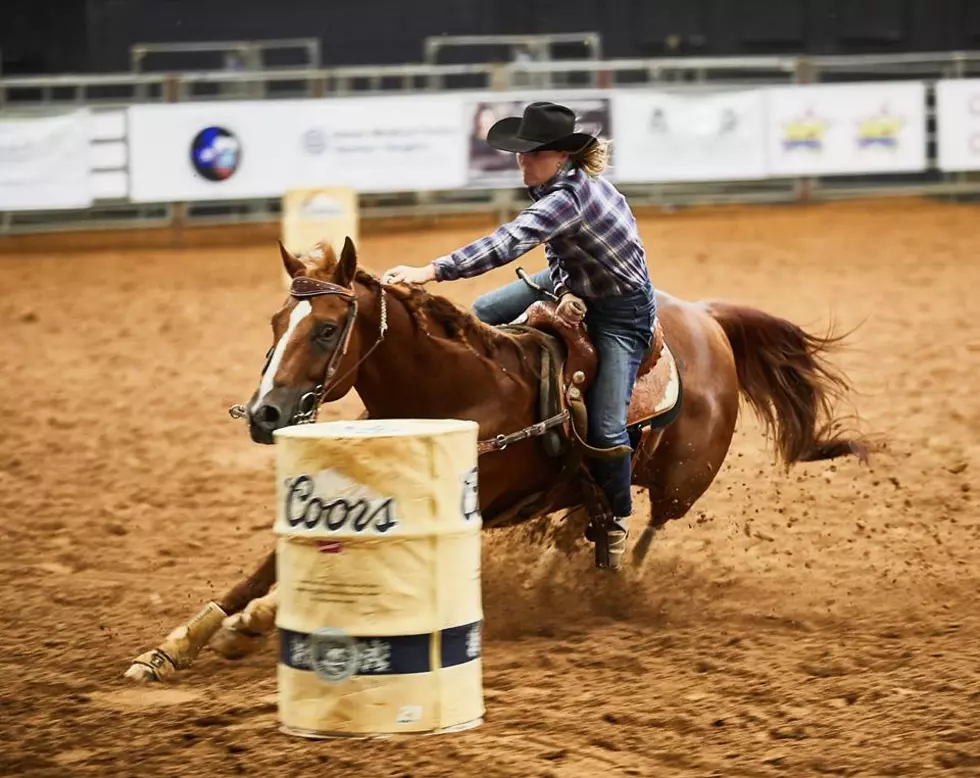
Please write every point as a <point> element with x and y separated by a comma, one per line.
<point>411,354</point>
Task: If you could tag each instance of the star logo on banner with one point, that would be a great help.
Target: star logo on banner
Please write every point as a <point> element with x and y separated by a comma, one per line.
<point>806,132</point>
<point>880,129</point>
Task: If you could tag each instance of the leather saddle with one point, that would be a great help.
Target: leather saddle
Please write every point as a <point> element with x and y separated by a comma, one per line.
<point>569,364</point>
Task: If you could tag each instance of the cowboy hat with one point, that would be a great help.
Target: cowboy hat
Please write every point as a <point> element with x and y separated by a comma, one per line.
<point>543,127</point>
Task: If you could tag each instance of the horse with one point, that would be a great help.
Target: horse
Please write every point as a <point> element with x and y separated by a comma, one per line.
<point>409,353</point>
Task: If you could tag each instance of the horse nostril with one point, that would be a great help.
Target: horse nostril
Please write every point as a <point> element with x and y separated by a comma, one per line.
<point>267,415</point>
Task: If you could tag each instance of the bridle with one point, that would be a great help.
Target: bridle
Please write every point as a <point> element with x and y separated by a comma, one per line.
<point>304,288</point>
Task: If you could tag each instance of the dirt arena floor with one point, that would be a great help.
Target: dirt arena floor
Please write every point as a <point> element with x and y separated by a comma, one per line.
<point>820,622</point>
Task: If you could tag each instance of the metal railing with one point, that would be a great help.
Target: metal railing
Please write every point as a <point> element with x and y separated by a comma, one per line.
<point>244,55</point>
<point>521,50</point>
<point>20,92</point>
<point>25,90</point>
<point>952,64</point>
<point>122,88</point>
<point>538,47</point>
<point>44,93</point>
<point>125,88</point>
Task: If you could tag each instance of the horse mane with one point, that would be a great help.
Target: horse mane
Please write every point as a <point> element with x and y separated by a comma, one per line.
<point>460,325</point>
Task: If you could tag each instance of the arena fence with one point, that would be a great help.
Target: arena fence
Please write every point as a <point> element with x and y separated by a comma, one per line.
<point>917,120</point>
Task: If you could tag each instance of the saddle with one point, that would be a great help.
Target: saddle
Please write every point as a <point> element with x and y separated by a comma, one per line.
<point>569,363</point>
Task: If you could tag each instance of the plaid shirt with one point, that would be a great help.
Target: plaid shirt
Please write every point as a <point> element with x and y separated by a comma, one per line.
<point>590,236</point>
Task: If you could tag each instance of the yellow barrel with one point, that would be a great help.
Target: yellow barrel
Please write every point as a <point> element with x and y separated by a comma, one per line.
<point>380,606</point>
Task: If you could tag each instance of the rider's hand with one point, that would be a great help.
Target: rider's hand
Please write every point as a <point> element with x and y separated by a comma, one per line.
<point>405,274</point>
<point>571,309</point>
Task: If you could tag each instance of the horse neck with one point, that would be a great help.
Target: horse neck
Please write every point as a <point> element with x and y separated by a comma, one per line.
<point>417,371</point>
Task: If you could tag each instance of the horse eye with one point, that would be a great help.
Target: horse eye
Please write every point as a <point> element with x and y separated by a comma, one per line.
<point>324,331</point>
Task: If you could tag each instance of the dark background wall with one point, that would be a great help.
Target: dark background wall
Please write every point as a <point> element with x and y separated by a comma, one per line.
<point>48,36</point>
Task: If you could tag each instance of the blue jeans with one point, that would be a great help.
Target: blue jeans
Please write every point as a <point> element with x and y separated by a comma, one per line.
<point>621,330</point>
<point>503,305</point>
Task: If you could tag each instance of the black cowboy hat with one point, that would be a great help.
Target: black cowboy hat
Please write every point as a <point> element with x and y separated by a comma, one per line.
<point>543,127</point>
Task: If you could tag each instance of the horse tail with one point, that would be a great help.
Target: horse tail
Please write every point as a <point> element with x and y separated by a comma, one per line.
<point>784,375</point>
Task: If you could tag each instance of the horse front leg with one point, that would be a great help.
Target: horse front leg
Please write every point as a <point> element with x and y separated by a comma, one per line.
<point>245,632</point>
<point>179,649</point>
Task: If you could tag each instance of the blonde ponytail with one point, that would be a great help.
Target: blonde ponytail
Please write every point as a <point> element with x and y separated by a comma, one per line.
<point>594,159</point>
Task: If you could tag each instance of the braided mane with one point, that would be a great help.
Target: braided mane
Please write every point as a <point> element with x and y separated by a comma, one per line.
<point>458,323</point>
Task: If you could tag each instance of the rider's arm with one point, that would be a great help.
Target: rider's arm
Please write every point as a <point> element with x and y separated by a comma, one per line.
<point>555,214</point>
<point>554,270</point>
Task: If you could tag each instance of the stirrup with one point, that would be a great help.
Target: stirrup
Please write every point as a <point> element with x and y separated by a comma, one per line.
<point>610,546</point>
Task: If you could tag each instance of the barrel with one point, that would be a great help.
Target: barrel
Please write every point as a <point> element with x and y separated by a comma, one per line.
<point>378,561</point>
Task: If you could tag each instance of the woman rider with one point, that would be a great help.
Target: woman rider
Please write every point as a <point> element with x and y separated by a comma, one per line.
<point>596,267</point>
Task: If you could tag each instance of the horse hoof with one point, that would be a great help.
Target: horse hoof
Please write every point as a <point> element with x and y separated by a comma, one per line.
<point>150,667</point>
<point>232,643</point>
<point>141,673</point>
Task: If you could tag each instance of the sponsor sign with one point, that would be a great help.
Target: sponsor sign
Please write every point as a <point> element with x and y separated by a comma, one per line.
<point>828,129</point>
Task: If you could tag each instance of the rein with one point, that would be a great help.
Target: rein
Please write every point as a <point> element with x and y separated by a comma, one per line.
<point>303,288</point>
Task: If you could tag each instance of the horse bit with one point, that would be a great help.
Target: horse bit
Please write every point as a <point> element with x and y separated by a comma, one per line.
<point>303,288</point>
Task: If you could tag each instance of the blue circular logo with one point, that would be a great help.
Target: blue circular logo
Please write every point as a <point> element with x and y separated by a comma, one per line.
<point>216,153</point>
<point>315,141</point>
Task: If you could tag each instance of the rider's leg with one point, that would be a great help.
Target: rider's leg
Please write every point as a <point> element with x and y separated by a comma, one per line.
<point>503,305</point>
<point>621,332</point>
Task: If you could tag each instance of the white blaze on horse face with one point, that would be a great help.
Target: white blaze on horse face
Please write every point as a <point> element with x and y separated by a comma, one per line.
<point>300,312</point>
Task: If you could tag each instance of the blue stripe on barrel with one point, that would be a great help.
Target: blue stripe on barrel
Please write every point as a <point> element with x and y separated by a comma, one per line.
<point>339,657</point>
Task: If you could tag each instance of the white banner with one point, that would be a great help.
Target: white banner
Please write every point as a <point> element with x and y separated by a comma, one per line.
<point>828,129</point>
<point>228,150</point>
<point>958,121</point>
<point>663,136</point>
<point>44,162</point>
<point>209,151</point>
<point>381,144</point>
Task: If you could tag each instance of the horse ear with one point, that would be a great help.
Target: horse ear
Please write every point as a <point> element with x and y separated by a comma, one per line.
<point>347,267</point>
<point>292,264</point>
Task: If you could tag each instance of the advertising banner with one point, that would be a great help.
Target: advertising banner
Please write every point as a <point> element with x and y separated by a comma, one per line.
<point>958,120</point>
<point>210,151</point>
<point>44,162</point>
<point>664,136</point>
<point>488,168</point>
<point>247,149</point>
<point>381,144</point>
<point>827,129</point>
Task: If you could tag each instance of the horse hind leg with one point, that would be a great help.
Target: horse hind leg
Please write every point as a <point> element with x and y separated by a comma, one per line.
<point>678,468</point>
<point>641,549</point>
